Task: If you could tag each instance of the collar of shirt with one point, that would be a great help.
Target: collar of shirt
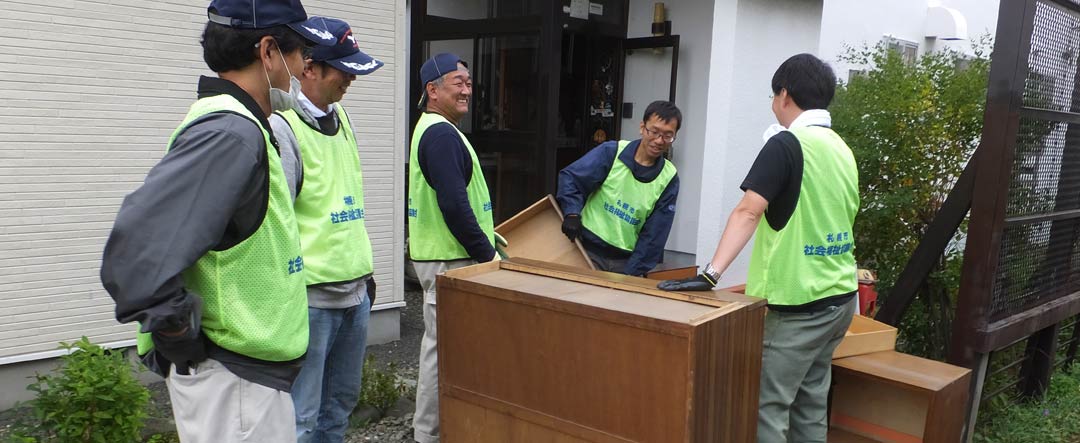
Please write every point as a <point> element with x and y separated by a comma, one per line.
<point>641,172</point>
<point>312,112</point>
<point>809,117</point>
<point>212,86</point>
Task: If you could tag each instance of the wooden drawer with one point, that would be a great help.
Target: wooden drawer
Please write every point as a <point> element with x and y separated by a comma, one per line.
<point>536,233</point>
<point>864,336</point>
<point>894,397</point>
<point>531,351</point>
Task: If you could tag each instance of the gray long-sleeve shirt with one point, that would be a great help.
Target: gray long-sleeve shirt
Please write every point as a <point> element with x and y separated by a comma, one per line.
<point>209,192</point>
<point>331,295</point>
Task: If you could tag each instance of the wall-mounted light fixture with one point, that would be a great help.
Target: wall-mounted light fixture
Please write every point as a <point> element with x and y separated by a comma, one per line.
<point>660,25</point>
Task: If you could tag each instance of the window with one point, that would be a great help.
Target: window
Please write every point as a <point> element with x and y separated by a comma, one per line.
<point>908,50</point>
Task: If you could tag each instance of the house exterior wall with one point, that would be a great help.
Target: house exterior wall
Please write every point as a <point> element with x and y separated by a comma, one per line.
<point>92,94</point>
<point>729,50</point>
<point>692,20</point>
<point>750,40</point>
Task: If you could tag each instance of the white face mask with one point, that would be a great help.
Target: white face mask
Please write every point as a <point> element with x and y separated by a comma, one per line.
<point>282,100</point>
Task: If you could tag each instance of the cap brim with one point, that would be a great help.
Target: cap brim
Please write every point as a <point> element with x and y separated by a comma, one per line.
<point>358,63</point>
<point>313,33</point>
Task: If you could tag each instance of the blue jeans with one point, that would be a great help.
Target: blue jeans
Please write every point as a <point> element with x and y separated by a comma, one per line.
<point>328,387</point>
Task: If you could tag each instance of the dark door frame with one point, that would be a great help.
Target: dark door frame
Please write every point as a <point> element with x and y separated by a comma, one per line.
<point>549,25</point>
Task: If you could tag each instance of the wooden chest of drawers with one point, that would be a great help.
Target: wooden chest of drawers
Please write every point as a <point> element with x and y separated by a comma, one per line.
<point>531,352</point>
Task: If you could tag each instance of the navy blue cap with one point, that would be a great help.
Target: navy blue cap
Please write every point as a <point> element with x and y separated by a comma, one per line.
<point>261,14</point>
<point>438,66</point>
<point>345,54</point>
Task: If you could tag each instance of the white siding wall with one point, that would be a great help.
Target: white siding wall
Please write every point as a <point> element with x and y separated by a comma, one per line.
<point>92,91</point>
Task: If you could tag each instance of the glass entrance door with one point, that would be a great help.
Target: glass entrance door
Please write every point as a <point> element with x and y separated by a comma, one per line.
<point>504,111</point>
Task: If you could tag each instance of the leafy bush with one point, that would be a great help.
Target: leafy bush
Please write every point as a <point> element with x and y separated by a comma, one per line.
<point>379,389</point>
<point>912,128</point>
<point>170,437</point>
<point>92,398</point>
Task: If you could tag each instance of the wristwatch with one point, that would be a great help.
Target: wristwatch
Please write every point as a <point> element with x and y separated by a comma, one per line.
<point>711,274</point>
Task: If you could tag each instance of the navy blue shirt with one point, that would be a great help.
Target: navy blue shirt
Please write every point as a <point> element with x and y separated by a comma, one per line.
<point>583,177</point>
<point>447,167</point>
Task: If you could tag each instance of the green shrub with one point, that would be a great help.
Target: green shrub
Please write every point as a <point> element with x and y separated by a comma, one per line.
<point>170,437</point>
<point>379,389</point>
<point>92,398</point>
<point>912,128</point>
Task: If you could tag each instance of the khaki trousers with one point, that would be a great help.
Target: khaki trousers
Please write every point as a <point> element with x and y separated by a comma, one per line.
<point>213,405</point>
<point>426,417</point>
<point>796,369</point>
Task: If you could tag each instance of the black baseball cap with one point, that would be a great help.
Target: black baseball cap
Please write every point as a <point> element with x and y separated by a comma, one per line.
<point>261,14</point>
<point>438,66</point>
<point>435,67</point>
<point>345,54</point>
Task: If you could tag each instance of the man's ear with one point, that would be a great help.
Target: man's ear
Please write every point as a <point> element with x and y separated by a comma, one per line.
<point>429,89</point>
<point>310,70</point>
<point>265,50</point>
<point>785,98</point>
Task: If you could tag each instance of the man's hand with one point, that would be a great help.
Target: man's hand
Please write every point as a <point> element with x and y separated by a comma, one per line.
<point>184,351</point>
<point>185,346</point>
<point>500,246</point>
<point>571,226</point>
<point>701,282</point>
<point>371,290</point>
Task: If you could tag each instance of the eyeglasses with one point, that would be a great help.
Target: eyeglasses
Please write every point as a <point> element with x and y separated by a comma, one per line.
<point>667,138</point>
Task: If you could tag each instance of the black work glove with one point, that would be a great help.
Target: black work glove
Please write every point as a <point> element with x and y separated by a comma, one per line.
<point>571,226</point>
<point>187,349</point>
<point>699,283</point>
<point>371,290</point>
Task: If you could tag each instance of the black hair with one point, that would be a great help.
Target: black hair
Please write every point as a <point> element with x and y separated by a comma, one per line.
<point>809,81</point>
<point>228,49</point>
<point>665,111</point>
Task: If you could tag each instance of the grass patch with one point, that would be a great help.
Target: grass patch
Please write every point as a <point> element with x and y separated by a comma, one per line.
<point>1055,418</point>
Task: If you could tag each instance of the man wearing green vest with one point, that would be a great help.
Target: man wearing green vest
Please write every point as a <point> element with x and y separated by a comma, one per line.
<point>805,183</point>
<point>205,255</point>
<point>619,198</point>
<point>450,217</point>
<point>322,167</point>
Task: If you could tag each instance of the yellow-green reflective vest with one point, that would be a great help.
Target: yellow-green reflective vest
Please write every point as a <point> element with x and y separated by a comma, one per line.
<point>617,211</point>
<point>330,204</point>
<point>812,257</point>
<point>429,237</point>
<point>254,298</point>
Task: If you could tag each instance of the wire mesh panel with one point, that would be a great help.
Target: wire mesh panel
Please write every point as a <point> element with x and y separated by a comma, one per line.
<point>1038,173</point>
<point>1052,60</point>
<point>1021,269</point>
<point>1037,258</point>
<point>1034,268</point>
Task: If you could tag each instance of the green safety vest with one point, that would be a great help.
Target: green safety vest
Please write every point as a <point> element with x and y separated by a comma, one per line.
<point>812,257</point>
<point>330,204</point>
<point>254,299</point>
<point>617,211</point>
<point>429,237</point>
